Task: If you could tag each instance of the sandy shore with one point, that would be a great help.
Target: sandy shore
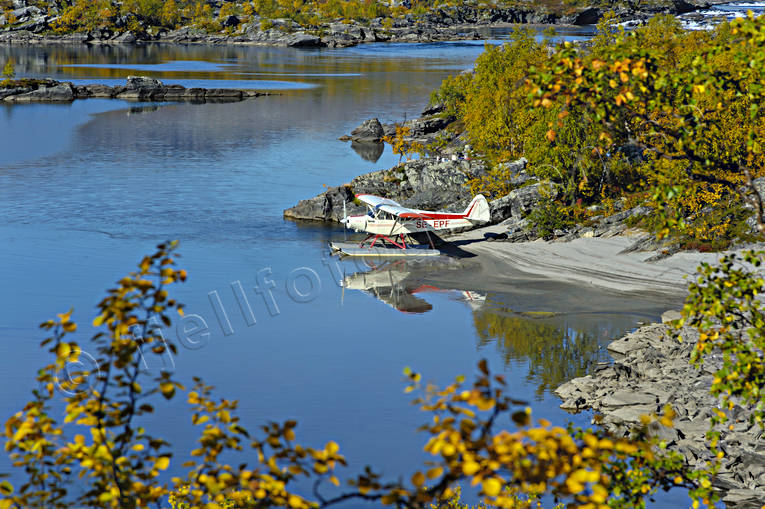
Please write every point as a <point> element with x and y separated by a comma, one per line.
<point>597,262</point>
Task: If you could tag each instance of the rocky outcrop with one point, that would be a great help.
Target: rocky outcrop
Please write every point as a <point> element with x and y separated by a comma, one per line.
<point>651,369</point>
<point>45,92</point>
<point>370,131</point>
<point>425,183</point>
<point>136,88</point>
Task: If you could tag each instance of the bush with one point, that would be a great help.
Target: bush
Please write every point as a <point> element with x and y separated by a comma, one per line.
<point>549,216</point>
<point>635,112</point>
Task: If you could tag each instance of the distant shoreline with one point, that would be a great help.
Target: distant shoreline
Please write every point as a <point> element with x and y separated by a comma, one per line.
<point>442,24</point>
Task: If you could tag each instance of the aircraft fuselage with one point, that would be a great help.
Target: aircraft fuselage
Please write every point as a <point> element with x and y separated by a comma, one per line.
<point>390,227</point>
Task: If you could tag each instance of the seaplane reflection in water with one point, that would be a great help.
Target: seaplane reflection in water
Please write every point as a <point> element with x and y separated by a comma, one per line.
<point>393,283</point>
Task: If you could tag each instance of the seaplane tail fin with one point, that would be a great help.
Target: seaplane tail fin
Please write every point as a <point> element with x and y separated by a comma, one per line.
<point>478,210</point>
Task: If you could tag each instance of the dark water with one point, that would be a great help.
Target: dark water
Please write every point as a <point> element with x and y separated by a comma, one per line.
<point>87,188</point>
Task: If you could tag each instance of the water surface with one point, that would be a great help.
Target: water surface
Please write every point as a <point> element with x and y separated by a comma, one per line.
<point>86,189</point>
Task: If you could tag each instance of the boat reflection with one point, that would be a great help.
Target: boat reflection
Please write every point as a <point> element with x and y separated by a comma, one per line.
<point>400,284</point>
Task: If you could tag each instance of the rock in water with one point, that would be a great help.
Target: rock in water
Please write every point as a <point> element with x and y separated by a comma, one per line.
<point>302,39</point>
<point>370,131</point>
<point>61,92</point>
<point>137,82</point>
<point>126,38</point>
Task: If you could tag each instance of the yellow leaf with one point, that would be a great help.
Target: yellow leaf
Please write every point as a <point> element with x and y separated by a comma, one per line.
<point>435,472</point>
<point>137,447</point>
<point>162,463</point>
<point>491,486</point>
<point>63,350</point>
<point>418,479</point>
<point>6,488</point>
<point>470,467</point>
<point>332,447</point>
<point>167,389</point>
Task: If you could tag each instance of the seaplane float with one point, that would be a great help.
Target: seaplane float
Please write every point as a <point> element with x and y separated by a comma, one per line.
<point>392,224</point>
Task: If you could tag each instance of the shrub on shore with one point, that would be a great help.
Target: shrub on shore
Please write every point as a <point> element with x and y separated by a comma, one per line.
<point>670,116</point>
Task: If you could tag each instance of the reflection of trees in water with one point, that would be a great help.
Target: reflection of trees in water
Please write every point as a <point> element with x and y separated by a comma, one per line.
<point>361,77</point>
<point>555,350</point>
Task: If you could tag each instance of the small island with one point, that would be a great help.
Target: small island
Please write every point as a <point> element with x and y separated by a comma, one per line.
<point>136,88</point>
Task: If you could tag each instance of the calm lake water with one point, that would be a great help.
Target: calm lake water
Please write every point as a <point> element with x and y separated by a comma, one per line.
<point>87,188</point>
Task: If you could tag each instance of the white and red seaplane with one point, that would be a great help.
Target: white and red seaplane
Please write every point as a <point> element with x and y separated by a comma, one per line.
<point>391,223</point>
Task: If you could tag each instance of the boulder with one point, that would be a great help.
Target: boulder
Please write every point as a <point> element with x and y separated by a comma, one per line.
<point>61,92</point>
<point>127,37</point>
<point>138,82</point>
<point>434,109</point>
<point>423,183</point>
<point>670,316</point>
<point>35,25</point>
<point>369,131</point>
<point>98,90</point>
<point>302,39</point>
<point>174,93</point>
<point>25,13</point>
<point>193,94</point>
<point>230,21</point>
<point>6,92</point>
<point>588,16</point>
<point>223,93</point>
<point>328,206</point>
<point>520,201</point>
<point>427,125</point>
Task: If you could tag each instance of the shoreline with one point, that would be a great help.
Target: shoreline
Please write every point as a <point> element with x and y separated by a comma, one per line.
<point>651,368</point>
<point>602,262</point>
<point>454,23</point>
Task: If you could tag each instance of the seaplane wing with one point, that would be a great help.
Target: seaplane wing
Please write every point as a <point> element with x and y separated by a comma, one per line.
<point>391,207</point>
<point>376,201</point>
<point>403,212</point>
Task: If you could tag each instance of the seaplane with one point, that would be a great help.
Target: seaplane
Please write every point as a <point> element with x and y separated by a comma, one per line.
<point>392,224</point>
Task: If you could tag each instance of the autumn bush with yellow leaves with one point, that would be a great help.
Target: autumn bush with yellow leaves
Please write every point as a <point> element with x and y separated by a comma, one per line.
<point>654,109</point>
